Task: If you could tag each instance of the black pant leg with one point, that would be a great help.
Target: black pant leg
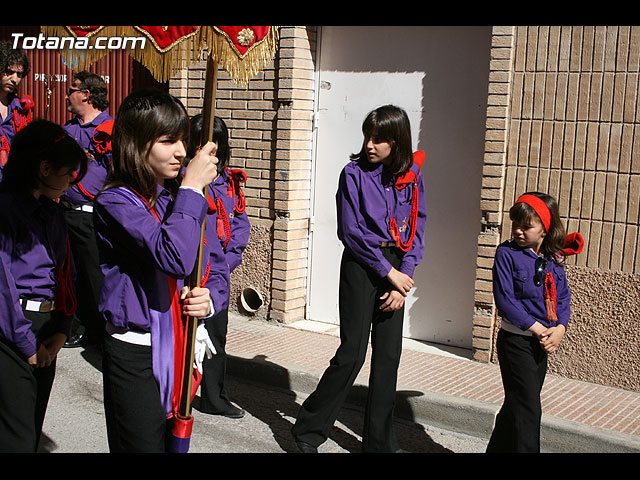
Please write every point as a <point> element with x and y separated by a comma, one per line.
<point>357,293</point>
<point>89,277</point>
<point>44,383</point>
<point>386,343</point>
<point>17,403</point>
<point>523,366</point>
<point>136,420</point>
<point>213,397</point>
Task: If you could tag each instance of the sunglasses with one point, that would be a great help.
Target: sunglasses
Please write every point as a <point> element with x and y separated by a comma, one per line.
<point>540,271</point>
<point>70,90</point>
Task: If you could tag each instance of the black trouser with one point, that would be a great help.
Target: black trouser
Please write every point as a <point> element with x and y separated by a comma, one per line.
<point>89,277</point>
<point>136,420</point>
<point>359,301</point>
<point>24,391</point>
<point>523,366</point>
<point>213,397</point>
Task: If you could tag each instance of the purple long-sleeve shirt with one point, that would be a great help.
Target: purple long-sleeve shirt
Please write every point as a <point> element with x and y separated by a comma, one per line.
<point>33,240</point>
<point>98,165</point>
<point>134,248</point>
<point>225,259</point>
<point>365,200</point>
<point>517,298</point>
<point>140,255</point>
<point>7,126</point>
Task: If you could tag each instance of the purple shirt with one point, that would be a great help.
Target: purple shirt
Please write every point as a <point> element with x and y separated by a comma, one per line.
<point>517,298</point>
<point>33,236</point>
<point>139,256</point>
<point>365,200</point>
<point>134,248</point>
<point>7,127</point>
<point>6,124</point>
<point>225,259</point>
<point>98,165</point>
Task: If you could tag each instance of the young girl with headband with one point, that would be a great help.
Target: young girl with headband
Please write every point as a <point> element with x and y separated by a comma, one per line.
<point>148,228</point>
<point>37,301</point>
<point>382,215</point>
<point>532,296</point>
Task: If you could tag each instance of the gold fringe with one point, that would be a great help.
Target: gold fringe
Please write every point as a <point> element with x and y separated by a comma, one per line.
<point>163,64</point>
<point>241,68</point>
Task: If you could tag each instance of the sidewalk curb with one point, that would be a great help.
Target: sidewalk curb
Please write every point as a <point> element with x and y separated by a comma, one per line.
<point>461,415</point>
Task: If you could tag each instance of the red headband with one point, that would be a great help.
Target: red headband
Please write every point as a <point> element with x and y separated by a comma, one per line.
<point>540,208</point>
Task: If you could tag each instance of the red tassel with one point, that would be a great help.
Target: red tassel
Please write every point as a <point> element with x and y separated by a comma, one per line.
<point>413,220</point>
<point>408,178</point>
<point>220,226</point>
<point>4,152</point>
<point>238,177</point>
<point>550,298</point>
<point>223,228</point>
<point>212,205</point>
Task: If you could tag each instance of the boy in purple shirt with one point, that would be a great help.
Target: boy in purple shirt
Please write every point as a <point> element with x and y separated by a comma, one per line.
<point>91,127</point>
<point>381,222</point>
<point>15,111</point>
<point>37,300</point>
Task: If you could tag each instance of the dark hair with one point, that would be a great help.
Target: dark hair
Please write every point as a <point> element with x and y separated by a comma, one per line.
<point>96,87</point>
<point>220,135</point>
<point>39,141</point>
<point>143,117</point>
<point>389,124</point>
<point>12,56</point>
<point>521,213</point>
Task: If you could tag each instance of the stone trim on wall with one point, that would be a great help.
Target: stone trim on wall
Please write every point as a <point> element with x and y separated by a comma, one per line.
<point>271,136</point>
<point>292,180</point>
<point>493,177</point>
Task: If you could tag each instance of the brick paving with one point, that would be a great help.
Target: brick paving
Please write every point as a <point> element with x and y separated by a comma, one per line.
<point>593,405</point>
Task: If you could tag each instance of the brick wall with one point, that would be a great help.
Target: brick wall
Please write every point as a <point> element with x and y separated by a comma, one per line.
<point>271,128</point>
<point>563,118</point>
<point>493,176</point>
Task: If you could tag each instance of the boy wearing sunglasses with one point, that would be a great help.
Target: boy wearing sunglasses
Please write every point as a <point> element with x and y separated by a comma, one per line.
<point>91,127</point>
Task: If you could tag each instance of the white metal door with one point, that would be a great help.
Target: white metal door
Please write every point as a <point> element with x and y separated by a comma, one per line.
<point>439,76</point>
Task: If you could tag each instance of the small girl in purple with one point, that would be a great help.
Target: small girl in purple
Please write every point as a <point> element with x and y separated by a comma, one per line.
<point>532,296</point>
<point>148,228</point>
<point>37,301</point>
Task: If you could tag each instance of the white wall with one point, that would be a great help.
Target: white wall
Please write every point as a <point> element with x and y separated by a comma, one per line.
<point>440,76</point>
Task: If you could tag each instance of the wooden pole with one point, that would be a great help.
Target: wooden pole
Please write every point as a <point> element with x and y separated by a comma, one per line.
<point>208,115</point>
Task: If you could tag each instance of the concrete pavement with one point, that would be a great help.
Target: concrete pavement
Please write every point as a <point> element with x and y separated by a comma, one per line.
<point>438,387</point>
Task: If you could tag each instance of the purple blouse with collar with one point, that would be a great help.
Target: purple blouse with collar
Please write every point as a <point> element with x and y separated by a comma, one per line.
<point>33,238</point>
<point>365,200</point>
<point>517,297</point>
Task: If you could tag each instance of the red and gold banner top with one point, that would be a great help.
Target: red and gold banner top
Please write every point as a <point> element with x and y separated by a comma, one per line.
<point>241,50</point>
